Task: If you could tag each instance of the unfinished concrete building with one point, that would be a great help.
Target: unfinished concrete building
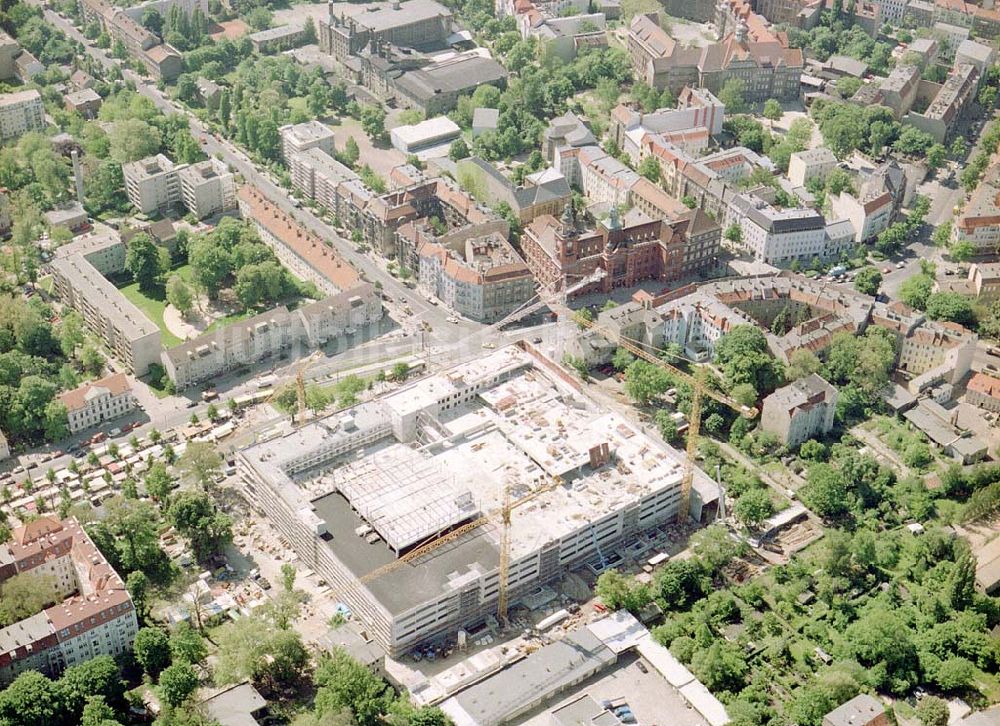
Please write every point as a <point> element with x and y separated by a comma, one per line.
<point>355,491</point>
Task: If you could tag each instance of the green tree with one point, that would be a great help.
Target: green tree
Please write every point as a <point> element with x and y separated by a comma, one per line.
<point>962,583</point>
<point>950,306</point>
<point>195,516</point>
<point>187,645</point>
<point>721,667</point>
<point>145,262</point>
<point>744,357</point>
<point>137,585</point>
<point>288,576</point>
<point>734,233</point>
<point>645,381</point>
<point>158,481</point>
<point>883,643</point>
<point>351,152</point>
<point>343,683</point>
<point>177,683</point>
<point>98,677</point>
<point>772,110</point>
<point>933,711</point>
<point>619,591</point>
<point>916,290</point>
<point>650,168</point>
<point>802,363</point>
<point>868,280</point>
<point>253,648</point>
<point>373,122</point>
<point>31,699</point>
<point>826,492</point>
<point>458,150</point>
<point>753,508</point>
<point>200,463</point>
<point>24,595</point>
<point>133,139</point>
<point>733,95</point>
<point>152,650</point>
<point>179,295</point>
<point>97,712</point>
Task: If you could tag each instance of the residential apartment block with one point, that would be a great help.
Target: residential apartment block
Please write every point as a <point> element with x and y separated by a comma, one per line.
<point>804,166</point>
<point>105,252</point>
<point>4,447</point>
<point>153,185</point>
<point>317,175</point>
<point>244,342</point>
<point>978,223</point>
<point>20,112</point>
<point>479,276</point>
<point>302,252</point>
<point>162,60</point>
<point>779,236</point>
<point>949,104</point>
<point>689,127</point>
<point>800,411</point>
<point>9,50</point>
<point>207,188</point>
<point>94,616</point>
<point>130,335</point>
<point>879,199</point>
<point>985,280</point>
<point>296,138</point>
<point>95,402</point>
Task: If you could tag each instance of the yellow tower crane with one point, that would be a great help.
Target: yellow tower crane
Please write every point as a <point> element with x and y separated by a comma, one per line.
<point>300,386</point>
<point>699,386</point>
<point>428,547</point>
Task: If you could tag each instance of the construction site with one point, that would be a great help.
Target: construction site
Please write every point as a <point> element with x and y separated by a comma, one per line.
<point>441,507</point>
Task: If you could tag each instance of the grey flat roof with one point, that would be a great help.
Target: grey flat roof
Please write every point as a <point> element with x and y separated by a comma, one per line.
<point>88,283</point>
<point>545,672</point>
<point>382,16</point>
<point>235,706</point>
<point>282,31</point>
<point>416,582</point>
<point>451,76</point>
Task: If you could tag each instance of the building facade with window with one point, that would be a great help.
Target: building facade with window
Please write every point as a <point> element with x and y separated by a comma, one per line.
<point>94,614</point>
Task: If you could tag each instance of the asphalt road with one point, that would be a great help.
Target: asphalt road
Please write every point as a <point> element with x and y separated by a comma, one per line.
<point>435,315</point>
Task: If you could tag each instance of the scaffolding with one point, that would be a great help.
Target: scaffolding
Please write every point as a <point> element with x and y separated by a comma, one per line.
<point>406,497</point>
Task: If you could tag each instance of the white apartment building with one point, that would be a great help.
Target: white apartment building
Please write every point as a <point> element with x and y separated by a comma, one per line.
<point>800,411</point>
<point>317,174</point>
<point>132,337</point>
<point>4,447</point>
<point>105,252</point>
<point>21,112</point>
<point>94,403</point>
<point>296,138</point>
<point>207,188</point>
<point>869,218</point>
<point>153,184</point>
<point>779,236</point>
<point>248,341</point>
<point>810,164</point>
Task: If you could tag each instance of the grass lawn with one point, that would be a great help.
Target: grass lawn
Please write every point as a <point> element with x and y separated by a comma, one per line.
<point>153,305</point>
